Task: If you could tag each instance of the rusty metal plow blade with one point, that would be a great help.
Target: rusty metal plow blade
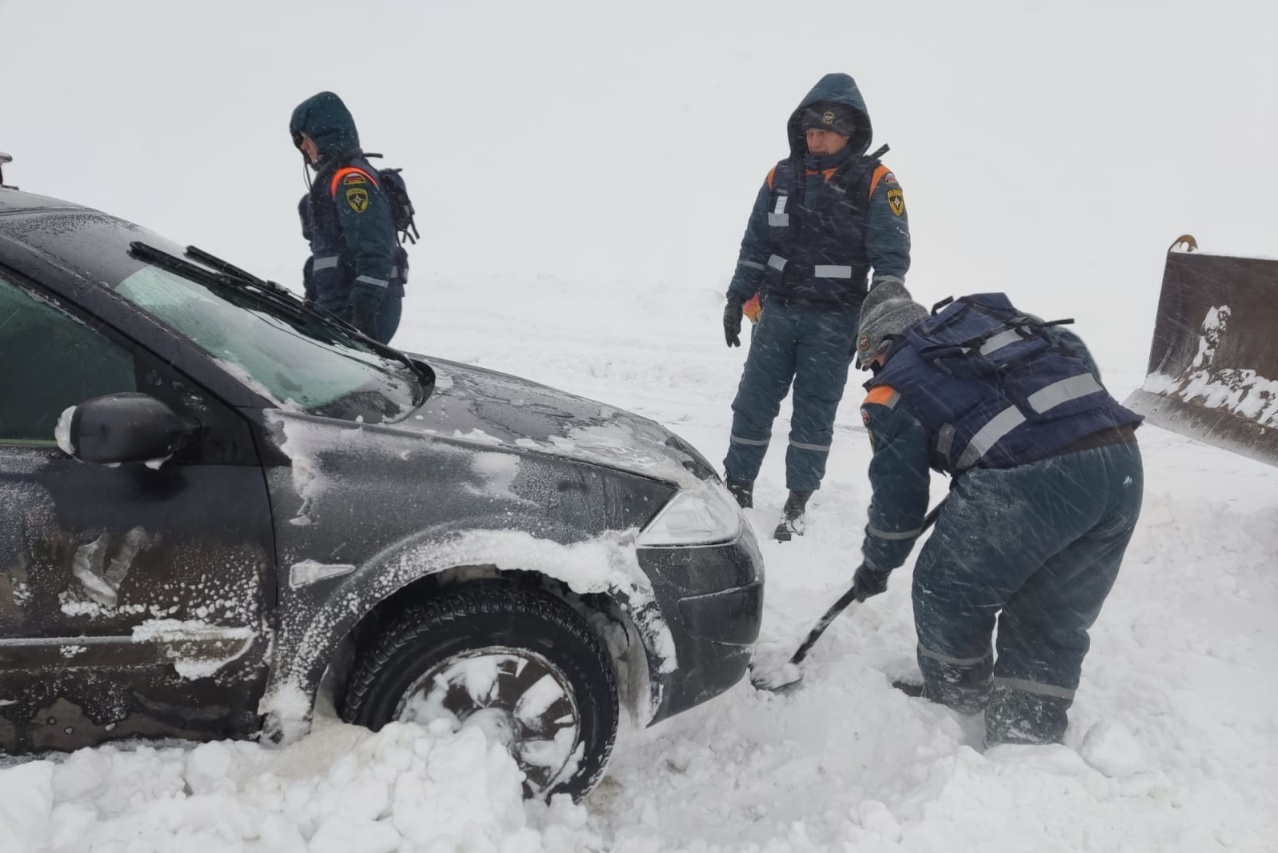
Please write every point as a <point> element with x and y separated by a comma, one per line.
<point>1213,364</point>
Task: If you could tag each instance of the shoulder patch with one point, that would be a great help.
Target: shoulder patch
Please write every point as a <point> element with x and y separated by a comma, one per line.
<point>354,178</point>
<point>772,176</point>
<point>889,178</point>
<point>357,198</point>
<point>896,201</point>
<point>883,395</point>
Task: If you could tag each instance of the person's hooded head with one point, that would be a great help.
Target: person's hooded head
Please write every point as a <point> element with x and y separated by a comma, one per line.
<point>325,121</point>
<point>835,105</point>
<point>888,310</point>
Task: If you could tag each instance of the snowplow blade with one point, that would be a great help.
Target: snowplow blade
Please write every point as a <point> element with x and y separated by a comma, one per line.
<point>1213,365</point>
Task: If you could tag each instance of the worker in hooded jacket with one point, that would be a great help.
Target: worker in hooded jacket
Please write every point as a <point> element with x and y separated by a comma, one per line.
<point>825,218</point>
<point>346,217</point>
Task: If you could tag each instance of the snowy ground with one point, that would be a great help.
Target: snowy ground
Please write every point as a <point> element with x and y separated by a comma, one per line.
<point>1173,743</point>
<point>582,172</point>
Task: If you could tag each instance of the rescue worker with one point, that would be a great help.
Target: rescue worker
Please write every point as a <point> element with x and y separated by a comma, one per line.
<point>353,271</point>
<point>1046,493</point>
<point>824,217</point>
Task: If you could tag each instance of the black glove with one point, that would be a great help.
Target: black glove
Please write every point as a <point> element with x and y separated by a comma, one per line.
<point>867,583</point>
<point>364,319</point>
<point>732,320</point>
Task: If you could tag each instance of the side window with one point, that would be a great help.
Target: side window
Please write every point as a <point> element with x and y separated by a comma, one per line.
<point>50,360</point>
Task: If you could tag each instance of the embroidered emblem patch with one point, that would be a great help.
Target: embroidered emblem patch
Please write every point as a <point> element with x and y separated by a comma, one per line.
<point>357,199</point>
<point>865,417</point>
<point>827,117</point>
<point>896,201</point>
<point>889,178</point>
<point>863,344</point>
<point>354,178</point>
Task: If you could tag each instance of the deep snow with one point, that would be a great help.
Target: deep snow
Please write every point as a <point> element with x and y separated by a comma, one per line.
<point>1173,743</point>
<point>583,172</point>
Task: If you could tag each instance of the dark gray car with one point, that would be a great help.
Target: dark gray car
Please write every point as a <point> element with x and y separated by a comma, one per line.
<point>215,502</point>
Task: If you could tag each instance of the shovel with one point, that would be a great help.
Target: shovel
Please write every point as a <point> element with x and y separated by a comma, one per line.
<point>769,676</point>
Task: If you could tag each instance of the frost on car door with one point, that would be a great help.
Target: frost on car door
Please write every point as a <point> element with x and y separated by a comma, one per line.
<point>132,598</point>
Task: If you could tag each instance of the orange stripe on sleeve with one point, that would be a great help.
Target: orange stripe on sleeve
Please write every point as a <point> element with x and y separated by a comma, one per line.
<point>343,172</point>
<point>878,174</point>
<point>880,394</point>
<point>772,173</point>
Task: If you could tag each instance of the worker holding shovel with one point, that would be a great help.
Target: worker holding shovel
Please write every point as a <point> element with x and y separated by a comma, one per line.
<point>1046,493</point>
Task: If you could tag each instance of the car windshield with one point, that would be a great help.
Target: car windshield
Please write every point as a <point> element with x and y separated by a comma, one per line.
<point>297,361</point>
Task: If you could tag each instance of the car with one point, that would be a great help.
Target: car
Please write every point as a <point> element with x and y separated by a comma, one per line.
<point>221,506</point>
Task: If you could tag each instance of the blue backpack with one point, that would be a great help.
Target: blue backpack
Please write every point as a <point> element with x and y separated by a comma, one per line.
<point>1004,368</point>
<point>980,336</point>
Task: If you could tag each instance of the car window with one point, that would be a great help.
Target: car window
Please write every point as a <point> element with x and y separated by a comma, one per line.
<point>50,360</point>
<point>294,361</point>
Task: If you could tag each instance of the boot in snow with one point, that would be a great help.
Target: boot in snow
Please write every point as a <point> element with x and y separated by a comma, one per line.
<point>742,490</point>
<point>792,516</point>
<point>910,688</point>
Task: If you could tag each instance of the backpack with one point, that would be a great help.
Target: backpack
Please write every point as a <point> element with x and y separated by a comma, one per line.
<point>401,205</point>
<point>402,211</point>
<point>980,336</point>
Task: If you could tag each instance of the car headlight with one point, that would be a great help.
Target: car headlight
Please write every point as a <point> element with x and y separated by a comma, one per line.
<point>700,516</point>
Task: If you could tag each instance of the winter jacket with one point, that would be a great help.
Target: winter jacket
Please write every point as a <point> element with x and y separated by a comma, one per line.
<point>820,223</point>
<point>353,245</point>
<point>909,414</point>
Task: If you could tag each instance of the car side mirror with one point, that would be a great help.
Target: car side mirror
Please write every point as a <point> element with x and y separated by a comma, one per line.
<point>122,429</point>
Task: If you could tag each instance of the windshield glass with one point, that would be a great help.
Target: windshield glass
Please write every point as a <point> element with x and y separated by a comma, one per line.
<point>298,362</point>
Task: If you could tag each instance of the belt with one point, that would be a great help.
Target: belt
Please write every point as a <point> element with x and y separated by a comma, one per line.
<point>800,302</point>
<point>1100,438</point>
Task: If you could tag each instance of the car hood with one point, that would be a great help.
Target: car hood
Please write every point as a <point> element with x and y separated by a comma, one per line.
<point>487,407</point>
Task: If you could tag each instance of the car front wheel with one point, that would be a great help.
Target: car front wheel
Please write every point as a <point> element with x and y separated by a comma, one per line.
<point>518,663</point>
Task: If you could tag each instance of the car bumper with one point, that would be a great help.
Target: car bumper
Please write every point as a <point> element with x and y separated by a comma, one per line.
<point>712,600</point>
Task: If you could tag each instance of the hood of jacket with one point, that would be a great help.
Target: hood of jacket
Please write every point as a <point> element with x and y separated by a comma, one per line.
<point>325,119</point>
<point>831,89</point>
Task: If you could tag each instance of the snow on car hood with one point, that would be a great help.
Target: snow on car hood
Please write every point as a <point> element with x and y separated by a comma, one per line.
<point>495,408</point>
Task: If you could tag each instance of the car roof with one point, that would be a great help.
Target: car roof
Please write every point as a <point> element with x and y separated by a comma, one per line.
<point>16,201</point>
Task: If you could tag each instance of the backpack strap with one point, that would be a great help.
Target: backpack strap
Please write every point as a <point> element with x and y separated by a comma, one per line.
<point>342,173</point>
<point>879,169</point>
<point>879,172</point>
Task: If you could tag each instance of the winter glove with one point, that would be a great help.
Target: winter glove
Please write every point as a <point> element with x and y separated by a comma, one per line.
<point>732,320</point>
<point>364,319</point>
<point>867,583</point>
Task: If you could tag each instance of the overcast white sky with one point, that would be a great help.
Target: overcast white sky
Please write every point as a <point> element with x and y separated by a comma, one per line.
<point>1052,149</point>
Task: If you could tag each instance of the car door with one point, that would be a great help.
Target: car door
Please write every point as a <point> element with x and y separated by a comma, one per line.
<point>133,599</point>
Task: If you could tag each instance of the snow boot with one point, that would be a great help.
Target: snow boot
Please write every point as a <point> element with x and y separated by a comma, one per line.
<point>792,516</point>
<point>913,689</point>
<point>742,490</point>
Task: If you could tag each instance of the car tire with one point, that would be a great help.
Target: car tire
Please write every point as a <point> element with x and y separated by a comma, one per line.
<point>519,649</point>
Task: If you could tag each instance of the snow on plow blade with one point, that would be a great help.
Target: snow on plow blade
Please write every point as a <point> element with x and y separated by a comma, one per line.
<point>1213,365</point>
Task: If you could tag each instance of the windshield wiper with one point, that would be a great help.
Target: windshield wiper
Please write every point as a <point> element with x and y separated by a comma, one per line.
<point>214,270</point>
<point>260,290</point>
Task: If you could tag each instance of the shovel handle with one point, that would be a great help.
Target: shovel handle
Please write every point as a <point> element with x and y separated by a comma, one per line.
<point>847,598</point>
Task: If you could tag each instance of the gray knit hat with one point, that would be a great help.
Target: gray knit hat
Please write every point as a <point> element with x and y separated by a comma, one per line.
<point>887,311</point>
